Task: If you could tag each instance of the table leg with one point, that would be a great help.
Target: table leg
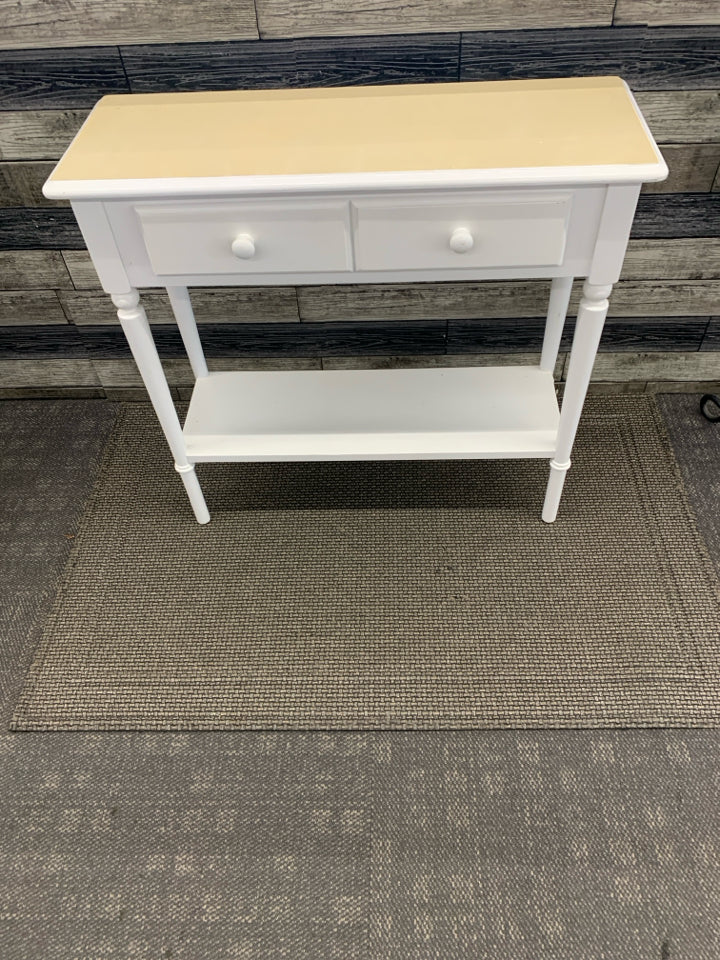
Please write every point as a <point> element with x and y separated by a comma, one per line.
<point>185,318</point>
<point>139,336</point>
<point>557,311</point>
<point>588,330</point>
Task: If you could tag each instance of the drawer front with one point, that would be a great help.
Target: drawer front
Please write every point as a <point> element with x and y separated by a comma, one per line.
<point>431,234</point>
<point>233,238</point>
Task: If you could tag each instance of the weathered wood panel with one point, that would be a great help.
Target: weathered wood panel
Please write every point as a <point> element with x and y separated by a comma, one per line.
<point>442,360</point>
<point>716,181</point>
<point>657,366</point>
<point>677,215</point>
<point>280,339</point>
<point>523,54</point>
<point>33,307</point>
<point>493,300</point>
<point>681,116</point>
<point>315,18</point>
<point>38,134</point>
<point>41,342</point>
<point>68,79</point>
<point>37,23</point>
<point>28,269</point>
<point>117,375</point>
<point>346,61</point>
<point>666,12</point>
<point>21,184</point>
<point>672,58</point>
<point>39,228</point>
<point>692,168</point>
<point>487,336</point>
<point>51,373</point>
<point>712,340</point>
<point>226,305</point>
<point>683,259</point>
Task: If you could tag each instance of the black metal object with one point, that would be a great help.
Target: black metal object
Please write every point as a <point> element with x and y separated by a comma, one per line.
<point>710,407</point>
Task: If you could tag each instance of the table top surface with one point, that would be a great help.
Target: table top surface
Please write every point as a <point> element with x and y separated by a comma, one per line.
<point>518,124</point>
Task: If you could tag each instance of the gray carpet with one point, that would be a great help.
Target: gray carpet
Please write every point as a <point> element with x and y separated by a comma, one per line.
<point>515,845</point>
<point>386,595</point>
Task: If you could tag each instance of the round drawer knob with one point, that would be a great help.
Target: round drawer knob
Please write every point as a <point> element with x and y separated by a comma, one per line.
<point>243,246</point>
<point>461,240</point>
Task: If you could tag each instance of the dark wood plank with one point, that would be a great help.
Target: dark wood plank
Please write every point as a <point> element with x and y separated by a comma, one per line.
<point>28,228</point>
<point>346,61</point>
<point>523,54</point>
<point>664,12</point>
<point>677,58</point>
<point>41,342</point>
<point>21,184</point>
<point>37,23</point>
<point>677,215</point>
<point>32,269</point>
<point>68,79</point>
<point>38,134</point>
<point>627,334</point>
<point>311,18</point>
<point>277,340</point>
<point>649,59</point>
<point>711,341</point>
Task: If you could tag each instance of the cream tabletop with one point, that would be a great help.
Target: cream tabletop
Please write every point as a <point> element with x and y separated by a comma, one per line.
<point>516,124</point>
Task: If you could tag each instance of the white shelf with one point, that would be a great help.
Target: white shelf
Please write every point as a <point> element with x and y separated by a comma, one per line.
<point>445,413</point>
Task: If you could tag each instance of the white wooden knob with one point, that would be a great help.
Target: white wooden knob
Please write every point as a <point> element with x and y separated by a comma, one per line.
<point>461,240</point>
<point>243,246</point>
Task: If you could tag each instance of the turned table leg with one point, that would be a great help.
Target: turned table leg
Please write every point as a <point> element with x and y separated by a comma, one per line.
<point>557,311</point>
<point>588,330</point>
<point>137,331</point>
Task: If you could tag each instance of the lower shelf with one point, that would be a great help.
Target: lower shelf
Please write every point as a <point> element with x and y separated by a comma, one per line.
<point>426,414</point>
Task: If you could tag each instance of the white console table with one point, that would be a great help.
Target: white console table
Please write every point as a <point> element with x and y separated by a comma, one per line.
<point>457,181</point>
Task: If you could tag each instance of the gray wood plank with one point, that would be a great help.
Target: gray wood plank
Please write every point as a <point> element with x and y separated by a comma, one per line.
<point>676,58</point>
<point>221,305</point>
<point>33,307</point>
<point>497,299</point>
<point>67,79</point>
<point>37,23</point>
<point>683,259</point>
<point>30,269</point>
<point>716,181</point>
<point>692,168</point>
<point>666,12</point>
<point>117,374</point>
<point>438,360</point>
<point>21,184</point>
<point>657,366</point>
<point>38,134</point>
<point>51,373</point>
<point>313,18</point>
<point>681,116</point>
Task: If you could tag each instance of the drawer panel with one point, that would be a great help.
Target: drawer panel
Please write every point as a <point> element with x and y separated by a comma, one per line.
<point>431,234</point>
<point>233,238</point>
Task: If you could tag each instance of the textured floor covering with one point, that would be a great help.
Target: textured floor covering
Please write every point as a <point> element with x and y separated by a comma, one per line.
<point>573,845</point>
<point>386,595</point>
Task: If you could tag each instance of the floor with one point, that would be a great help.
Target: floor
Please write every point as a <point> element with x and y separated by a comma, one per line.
<point>510,845</point>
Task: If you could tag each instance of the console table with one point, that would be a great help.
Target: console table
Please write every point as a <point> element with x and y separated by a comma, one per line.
<point>421,182</point>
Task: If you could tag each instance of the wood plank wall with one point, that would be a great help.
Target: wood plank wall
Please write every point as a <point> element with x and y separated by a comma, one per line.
<point>58,333</point>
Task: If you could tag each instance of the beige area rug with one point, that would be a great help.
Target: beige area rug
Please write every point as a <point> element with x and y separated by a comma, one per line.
<point>425,595</point>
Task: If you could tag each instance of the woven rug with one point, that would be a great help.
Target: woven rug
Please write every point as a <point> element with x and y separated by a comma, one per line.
<point>410,595</point>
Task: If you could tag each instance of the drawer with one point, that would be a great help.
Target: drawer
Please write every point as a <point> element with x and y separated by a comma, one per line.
<point>508,231</point>
<point>234,238</point>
